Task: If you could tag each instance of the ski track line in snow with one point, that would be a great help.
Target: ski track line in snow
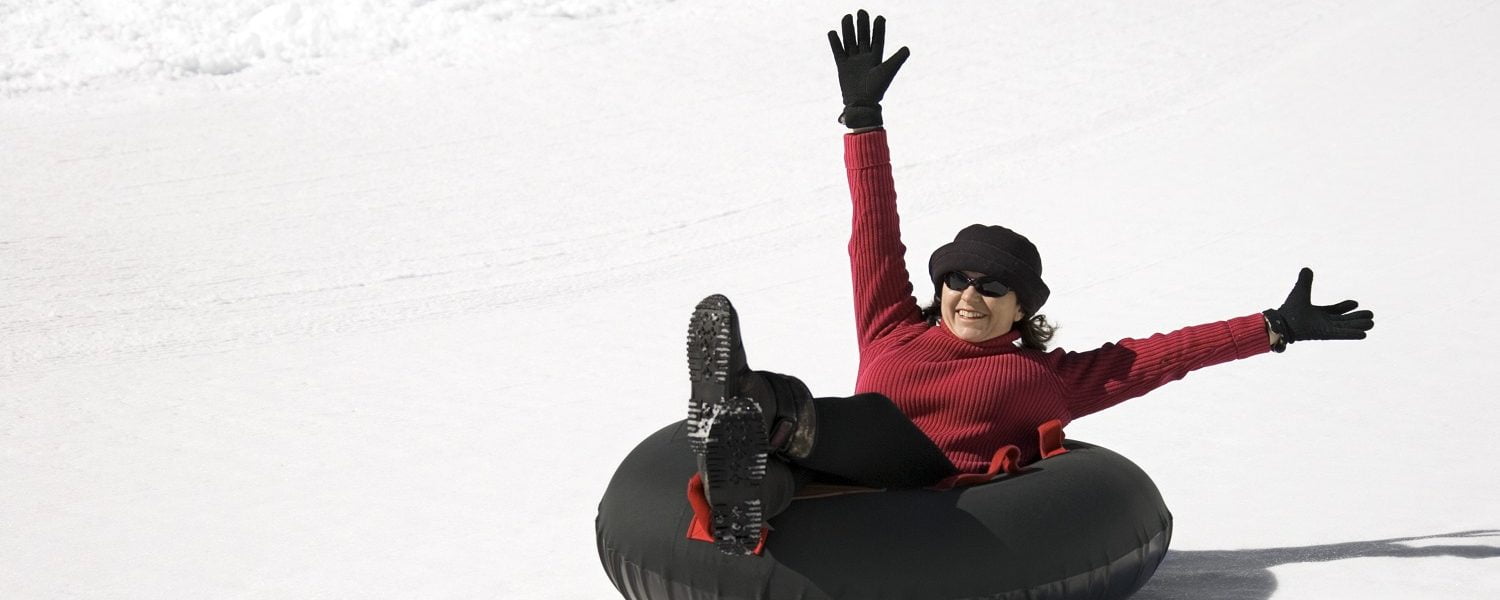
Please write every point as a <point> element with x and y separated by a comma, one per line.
<point>312,321</point>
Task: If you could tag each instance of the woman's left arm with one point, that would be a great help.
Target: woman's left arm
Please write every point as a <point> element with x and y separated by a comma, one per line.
<point>1104,377</point>
<point>1098,379</point>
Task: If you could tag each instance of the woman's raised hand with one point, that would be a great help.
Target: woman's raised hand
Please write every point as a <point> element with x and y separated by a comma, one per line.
<point>1299,319</point>
<point>863,76</point>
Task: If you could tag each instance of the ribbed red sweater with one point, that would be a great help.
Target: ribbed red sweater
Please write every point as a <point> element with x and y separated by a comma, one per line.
<point>973,399</point>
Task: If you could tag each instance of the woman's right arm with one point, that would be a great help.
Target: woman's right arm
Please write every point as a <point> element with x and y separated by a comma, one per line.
<point>877,258</point>
<point>882,287</point>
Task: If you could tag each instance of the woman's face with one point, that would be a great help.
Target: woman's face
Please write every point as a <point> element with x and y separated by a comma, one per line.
<point>974,317</point>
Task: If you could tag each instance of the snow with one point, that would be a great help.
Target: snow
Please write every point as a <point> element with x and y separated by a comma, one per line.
<point>331,299</point>
<point>90,44</point>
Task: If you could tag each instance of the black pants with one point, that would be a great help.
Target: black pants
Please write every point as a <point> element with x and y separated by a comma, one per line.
<point>865,440</point>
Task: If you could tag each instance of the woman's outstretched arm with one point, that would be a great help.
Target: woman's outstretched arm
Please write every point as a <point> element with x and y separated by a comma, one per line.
<point>1106,376</point>
<point>882,288</point>
<point>1098,379</point>
<point>877,258</point>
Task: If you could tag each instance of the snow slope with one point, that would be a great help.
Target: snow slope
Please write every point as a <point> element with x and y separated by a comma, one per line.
<point>328,299</point>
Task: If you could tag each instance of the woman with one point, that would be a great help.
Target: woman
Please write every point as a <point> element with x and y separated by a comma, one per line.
<point>946,393</point>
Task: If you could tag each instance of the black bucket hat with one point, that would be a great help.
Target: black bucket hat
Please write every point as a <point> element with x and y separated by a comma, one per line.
<point>998,252</point>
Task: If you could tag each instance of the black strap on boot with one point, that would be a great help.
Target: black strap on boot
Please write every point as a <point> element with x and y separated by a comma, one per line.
<point>790,422</point>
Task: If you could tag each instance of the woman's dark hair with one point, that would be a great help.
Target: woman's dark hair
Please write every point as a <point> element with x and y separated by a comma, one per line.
<point>1035,330</point>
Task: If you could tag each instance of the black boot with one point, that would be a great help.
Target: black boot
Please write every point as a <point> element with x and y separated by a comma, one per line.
<point>736,419</point>
<point>788,415</point>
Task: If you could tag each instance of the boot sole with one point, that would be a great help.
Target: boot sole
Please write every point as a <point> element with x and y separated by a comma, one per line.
<point>726,432</point>
<point>734,468</point>
<point>709,343</point>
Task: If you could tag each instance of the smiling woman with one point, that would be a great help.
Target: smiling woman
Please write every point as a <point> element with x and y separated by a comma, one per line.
<point>1035,331</point>
<point>974,315</point>
<point>963,393</point>
<point>988,257</point>
<point>945,394</point>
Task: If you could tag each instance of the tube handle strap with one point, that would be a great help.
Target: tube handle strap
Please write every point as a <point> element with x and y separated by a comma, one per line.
<point>1050,438</point>
<point>1007,460</point>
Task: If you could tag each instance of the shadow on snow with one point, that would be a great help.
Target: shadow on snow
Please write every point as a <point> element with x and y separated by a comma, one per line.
<point>1246,574</point>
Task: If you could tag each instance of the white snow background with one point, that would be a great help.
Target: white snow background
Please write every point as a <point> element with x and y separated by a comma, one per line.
<point>328,299</point>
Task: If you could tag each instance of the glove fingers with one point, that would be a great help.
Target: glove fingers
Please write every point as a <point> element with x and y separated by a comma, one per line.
<point>864,31</point>
<point>1302,292</point>
<point>877,39</point>
<point>1357,315</point>
<point>1351,327</point>
<point>888,68</point>
<point>1305,277</point>
<point>1345,334</point>
<point>848,26</point>
<point>1364,324</point>
<point>838,46</point>
<point>1340,308</point>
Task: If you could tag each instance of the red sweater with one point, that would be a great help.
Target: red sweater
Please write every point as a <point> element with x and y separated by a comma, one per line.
<point>973,399</point>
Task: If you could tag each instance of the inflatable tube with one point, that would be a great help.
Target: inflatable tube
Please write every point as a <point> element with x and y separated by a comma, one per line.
<point>1085,524</point>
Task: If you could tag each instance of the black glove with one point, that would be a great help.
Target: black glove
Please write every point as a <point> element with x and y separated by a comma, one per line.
<point>1298,319</point>
<point>862,76</point>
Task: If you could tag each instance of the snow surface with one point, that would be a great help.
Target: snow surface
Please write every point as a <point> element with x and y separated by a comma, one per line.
<point>333,299</point>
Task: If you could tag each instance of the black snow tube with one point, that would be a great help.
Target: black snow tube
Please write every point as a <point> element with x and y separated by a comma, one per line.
<point>1085,524</point>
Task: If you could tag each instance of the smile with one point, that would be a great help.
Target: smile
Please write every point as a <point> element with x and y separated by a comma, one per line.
<point>969,314</point>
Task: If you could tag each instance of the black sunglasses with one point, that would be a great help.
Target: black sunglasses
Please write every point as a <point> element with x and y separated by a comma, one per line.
<point>988,286</point>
